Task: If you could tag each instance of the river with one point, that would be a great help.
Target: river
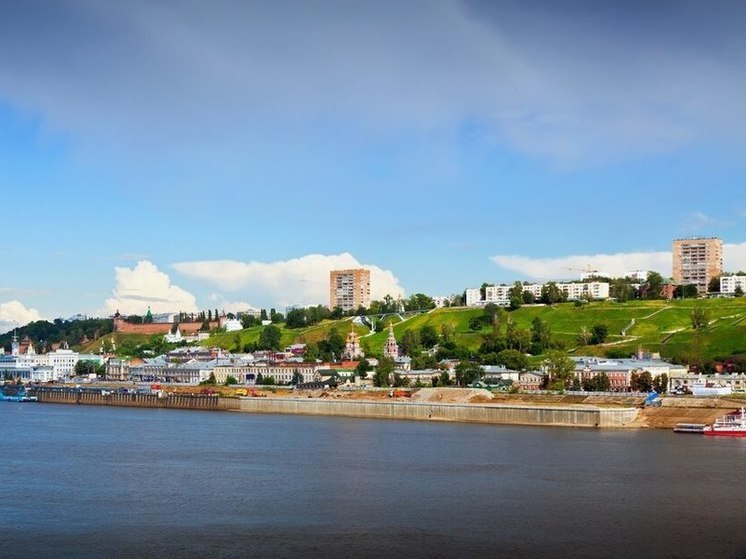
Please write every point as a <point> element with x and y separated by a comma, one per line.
<point>87,481</point>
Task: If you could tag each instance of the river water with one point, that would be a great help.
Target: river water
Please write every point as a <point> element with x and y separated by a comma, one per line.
<point>86,481</point>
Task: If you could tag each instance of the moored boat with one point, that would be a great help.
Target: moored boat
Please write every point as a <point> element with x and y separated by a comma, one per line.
<point>697,428</point>
<point>730,425</point>
<point>15,394</point>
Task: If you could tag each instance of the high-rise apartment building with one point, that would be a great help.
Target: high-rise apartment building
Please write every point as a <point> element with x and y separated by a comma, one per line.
<point>349,289</point>
<point>697,260</point>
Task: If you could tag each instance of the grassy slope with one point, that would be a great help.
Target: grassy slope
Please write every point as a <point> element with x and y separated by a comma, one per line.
<point>659,326</point>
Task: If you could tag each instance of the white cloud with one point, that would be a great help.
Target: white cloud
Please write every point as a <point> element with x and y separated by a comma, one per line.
<point>145,286</point>
<point>571,266</point>
<point>303,280</point>
<point>14,314</point>
<point>220,302</point>
<point>734,259</point>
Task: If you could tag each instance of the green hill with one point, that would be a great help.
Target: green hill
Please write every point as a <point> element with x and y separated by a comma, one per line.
<point>661,326</point>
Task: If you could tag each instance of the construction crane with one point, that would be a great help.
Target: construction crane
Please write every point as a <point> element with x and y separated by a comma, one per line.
<point>588,270</point>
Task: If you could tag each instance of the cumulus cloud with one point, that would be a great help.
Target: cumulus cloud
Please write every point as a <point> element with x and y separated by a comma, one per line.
<point>146,286</point>
<point>14,314</point>
<point>220,302</point>
<point>571,266</point>
<point>303,280</point>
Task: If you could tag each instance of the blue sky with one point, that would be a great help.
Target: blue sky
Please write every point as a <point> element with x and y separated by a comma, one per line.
<point>187,155</point>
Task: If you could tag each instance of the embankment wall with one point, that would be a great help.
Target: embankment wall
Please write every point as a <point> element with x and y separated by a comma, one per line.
<point>175,401</point>
<point>472,413</point>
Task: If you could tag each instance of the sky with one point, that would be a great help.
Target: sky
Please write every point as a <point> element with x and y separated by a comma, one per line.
<point>198,155</point>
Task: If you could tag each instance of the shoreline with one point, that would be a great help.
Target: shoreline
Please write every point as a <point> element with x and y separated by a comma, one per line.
<point>442,405</point>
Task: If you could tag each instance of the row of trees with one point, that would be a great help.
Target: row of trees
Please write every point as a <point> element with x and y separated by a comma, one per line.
<point>44,333</point>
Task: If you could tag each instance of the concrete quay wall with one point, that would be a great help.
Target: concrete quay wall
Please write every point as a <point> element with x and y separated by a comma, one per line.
<point>175,401</point>
<point>470,413</point>
<point>585,416</point>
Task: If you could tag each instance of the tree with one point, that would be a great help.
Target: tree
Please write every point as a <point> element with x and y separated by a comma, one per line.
<point>447,332</point>
<point>297,378</point>
<point>541,336</point>
<point>599,333</point>
<point>467,372</point>
<point>384,371</point>
<point>444,379</point>
<point>714,285</point>
<point>230,379</point>
<point>518,338</point>
<point>700,318</point>
<point>560,368</point>
<point>428,336</point>
<point>476,323</point>
<point>410,343</point>
<point>660,384</point>
<point>85,368</point>
<point>515,296</point>
<point>419,302</point>
<point>248,320</point>
<point>551,294</point>
<point>483,290</point>
<point>513,360</point>
<point>653,286</point>
<point>296,318</point>
<point>423,361</point>
<point>686,291</point>
<point>493,315</point>
<point>362,368</point>
<point>603,384</point>
<point>738,291</point>
<point>621,289</point>
<point>336,343</point>
<point>492,343</point>
<point>528,298</point>
<point>584,336</point>
<point>641,382</point>
<point>270,337</point>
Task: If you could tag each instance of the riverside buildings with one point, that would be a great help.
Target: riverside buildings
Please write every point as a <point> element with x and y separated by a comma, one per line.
<point>697,260</point>
<point>349,289</point>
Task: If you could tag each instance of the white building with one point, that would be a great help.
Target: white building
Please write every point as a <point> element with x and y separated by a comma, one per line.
<point>728,284</point>
<point>500,294</point>
<point>474,297</point>
<point>231,324</point>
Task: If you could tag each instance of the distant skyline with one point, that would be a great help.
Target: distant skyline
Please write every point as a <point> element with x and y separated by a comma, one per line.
<point>187,156</point>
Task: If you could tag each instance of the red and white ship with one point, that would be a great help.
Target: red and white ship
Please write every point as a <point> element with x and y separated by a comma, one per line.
<point>730,425</point>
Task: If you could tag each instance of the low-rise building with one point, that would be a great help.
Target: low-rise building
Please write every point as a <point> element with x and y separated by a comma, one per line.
<point>729,284</point>
<point>620,371</point>
<point>500,294</point>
